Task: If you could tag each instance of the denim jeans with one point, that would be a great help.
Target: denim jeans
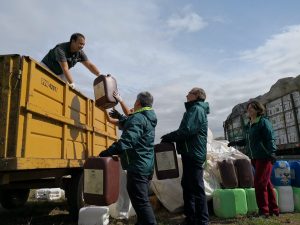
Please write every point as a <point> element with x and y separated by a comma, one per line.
<point>138,189</point>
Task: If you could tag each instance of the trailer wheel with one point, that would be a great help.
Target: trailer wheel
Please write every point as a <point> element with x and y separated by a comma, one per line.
<point>75,194</point>
<point>13,198</point>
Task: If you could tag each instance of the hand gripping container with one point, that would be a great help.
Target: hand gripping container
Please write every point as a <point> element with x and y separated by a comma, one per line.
<point>101,181</point>
<point>166,165</point>
<point>104,87</point>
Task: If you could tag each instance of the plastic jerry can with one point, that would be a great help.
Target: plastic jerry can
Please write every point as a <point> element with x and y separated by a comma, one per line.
<point>285,199</point>
<point>251,201</point>
<point>101,181</point>
<point>229,203</point>
<point>281,174</point>
<point>228,174</point>
<point>93,215</point>
<point>166,165</point>
<point>295,173</point>
<point>104,87</point>
<point>244,173</point>
<point>296,194</point>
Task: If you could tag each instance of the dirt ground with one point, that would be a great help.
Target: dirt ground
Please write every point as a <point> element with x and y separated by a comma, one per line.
<point>56,213</point>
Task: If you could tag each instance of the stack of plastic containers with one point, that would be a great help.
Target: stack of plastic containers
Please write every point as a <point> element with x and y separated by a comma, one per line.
<point>281,179</point>
<point>236,181</point>
<point>295,182</point>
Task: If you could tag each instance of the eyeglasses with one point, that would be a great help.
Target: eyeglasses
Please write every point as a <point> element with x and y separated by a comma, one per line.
<point>192,93</point>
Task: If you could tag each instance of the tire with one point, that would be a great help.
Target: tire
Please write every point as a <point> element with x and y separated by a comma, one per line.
<point>13,198</point>
<point>75,194</point>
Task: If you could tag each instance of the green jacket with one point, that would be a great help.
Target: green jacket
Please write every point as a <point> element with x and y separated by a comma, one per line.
<point>260,139</point>
<point>191,136</point>
<point>136,144</point>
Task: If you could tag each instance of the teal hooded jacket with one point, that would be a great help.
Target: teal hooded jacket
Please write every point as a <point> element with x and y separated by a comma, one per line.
<point>260,139</point>
<point>136,144</point>
<point>191,136</point>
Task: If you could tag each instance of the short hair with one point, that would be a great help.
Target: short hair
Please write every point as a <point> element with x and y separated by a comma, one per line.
<point>258,107</point>
<point>145,98</point>
<point>75,36</point>
<point>199,93</point>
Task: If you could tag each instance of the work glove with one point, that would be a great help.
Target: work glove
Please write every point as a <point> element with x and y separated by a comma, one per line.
<point>117,96</point>
<point>231,143</point>
<point>104,154</point>
<point>72,85</point>
<point>115,114</point>
<point>166,138</point>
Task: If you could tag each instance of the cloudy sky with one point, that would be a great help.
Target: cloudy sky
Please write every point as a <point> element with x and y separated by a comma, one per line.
<point>233,49</point>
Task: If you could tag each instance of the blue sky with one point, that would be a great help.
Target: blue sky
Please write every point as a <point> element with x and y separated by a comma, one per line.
<point>235,50</point>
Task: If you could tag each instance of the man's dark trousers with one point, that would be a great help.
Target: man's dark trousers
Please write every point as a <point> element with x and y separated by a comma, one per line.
<point>138,189</point>
<point>195,205</point>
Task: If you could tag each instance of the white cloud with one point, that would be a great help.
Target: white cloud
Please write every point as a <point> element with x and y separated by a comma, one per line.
<point>190,22</point>
<point>280,54</point>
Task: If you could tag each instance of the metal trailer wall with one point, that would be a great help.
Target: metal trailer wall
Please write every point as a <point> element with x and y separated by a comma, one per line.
<point>47,130</point>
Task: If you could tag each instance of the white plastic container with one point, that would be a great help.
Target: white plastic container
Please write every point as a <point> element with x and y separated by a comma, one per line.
<point>93,215</point>
<point>49,194</point>
<point>285,199</point>
<point>41,194</point>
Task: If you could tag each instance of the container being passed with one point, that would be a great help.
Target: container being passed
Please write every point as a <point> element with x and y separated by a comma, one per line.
<point>166,165</point>
<point>104,87</point>
<point>101,181</point>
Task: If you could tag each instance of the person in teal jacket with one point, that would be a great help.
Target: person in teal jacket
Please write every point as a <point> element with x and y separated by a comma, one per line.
<point>136,150</point>
<point>260,147</point>
<point>191,140</point>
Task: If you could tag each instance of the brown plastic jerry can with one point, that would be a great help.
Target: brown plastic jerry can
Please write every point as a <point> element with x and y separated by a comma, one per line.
<point>104,87</point>
<point>166,164</point>
<point>228,174</point>
<point>244,173</point>
<point>101,181</point>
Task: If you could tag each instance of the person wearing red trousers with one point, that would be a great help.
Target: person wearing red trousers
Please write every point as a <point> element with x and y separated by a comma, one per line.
<point>260,147</point>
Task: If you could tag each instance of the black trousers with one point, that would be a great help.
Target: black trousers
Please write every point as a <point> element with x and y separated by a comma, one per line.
<point>195,204</point>
<point>138,189</point>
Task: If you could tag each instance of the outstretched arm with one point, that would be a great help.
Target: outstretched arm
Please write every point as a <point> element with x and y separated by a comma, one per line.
<point>124,107</point>
<point>91,67</point>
